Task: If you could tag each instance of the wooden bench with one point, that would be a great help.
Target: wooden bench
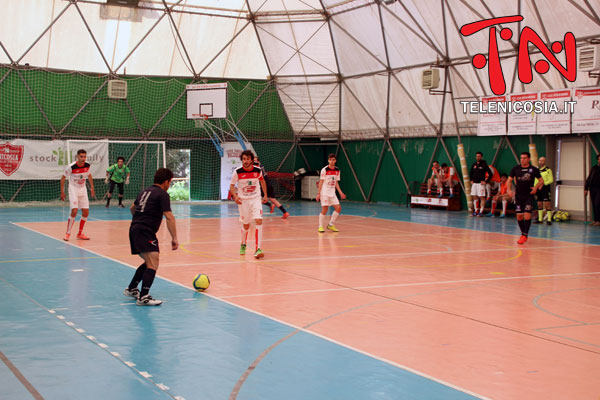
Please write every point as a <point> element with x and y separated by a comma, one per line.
<point>434,202</point>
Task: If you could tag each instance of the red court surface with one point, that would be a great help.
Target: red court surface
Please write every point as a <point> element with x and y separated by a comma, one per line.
<point>467,307</point>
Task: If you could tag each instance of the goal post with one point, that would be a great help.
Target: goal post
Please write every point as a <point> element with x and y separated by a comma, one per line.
<point>142,157</point>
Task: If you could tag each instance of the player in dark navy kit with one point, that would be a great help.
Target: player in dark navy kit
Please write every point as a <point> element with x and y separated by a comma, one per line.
<point>524,176</point>
<point>148,210</point>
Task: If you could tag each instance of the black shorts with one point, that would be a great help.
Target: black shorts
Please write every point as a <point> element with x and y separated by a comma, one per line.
<point>524,205</point>
<point>270,189</point>
<point>142,240</point>
<point>543,194</point>
<point>119,185</point>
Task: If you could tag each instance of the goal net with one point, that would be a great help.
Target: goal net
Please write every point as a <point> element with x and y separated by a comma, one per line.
<point>142,158</point>
<point>41,111</point>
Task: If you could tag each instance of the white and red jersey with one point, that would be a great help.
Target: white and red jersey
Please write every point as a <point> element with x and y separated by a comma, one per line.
<point>330,177</point>
<point>440,172</point>
<point>77,176</point>
<point>248,182</point>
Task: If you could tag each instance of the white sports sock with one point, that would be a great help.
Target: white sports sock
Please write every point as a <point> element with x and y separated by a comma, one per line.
<point>321,219</point>
<point>259,234</point>
<point>475,204</point>
<point>244,235</point>
<point>504,204</point>
<point>70,223</point>
<point>333,217</point>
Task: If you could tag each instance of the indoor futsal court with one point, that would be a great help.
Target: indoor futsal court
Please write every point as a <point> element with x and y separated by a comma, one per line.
<point>299,199</point>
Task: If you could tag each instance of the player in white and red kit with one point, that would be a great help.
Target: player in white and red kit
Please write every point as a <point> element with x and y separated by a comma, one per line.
<point>77,172</point>
<point>247,196</point>
<point>330,176</point>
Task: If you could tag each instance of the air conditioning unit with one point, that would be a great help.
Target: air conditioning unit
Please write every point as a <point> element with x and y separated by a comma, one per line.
<point>117,89</point>
<point>430,79</point>
<point>589,58</point>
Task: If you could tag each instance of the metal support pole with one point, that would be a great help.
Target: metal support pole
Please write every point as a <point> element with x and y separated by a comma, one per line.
<point>354,173</point>
<point>304,157</point>
<point>512,149</point>
<point>376,172</point>
<point>292,147</point>
<point>408,189</point>
<point>17,192</point>
<point>497,150</point>
<point>37,103</point>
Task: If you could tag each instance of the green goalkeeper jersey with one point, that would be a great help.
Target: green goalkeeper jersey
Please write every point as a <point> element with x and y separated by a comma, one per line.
<point>118,175</point>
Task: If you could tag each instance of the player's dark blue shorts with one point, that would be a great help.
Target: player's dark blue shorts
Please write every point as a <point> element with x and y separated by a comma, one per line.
<point>142,239</point>
<point>524,204</point>
<point>543,194</point>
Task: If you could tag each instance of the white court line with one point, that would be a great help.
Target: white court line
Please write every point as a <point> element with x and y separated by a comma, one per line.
<point>328,339</point>
<point>422,253</point>
<point>412,284</point>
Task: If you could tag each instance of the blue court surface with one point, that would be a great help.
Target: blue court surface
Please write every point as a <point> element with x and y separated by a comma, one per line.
<point>67,332</point>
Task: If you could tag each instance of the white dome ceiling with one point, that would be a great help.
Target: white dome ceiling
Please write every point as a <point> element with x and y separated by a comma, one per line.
<point>350,68</point>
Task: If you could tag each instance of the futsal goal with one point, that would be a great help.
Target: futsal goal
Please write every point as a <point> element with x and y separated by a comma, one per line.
<point>142,158</point>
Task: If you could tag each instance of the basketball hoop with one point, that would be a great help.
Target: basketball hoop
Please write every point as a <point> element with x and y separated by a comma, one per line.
<point>199,123</point>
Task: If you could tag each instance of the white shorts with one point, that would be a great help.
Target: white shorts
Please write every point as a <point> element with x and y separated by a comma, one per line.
<point>493,185</point>
<point>327,201</point>
<point>450,183</point>
<point>478,189</point>
<point>250,210</point>
<point>79,199</point>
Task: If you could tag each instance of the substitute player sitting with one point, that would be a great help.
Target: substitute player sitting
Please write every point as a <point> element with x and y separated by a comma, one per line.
<point>77,173</point>
<point>329,182</point>
<point>501,195</point>
<point>449,179</point>
<point>493,183</point>
<point>436,174</point>
<point>117,174</point>
<point>247,196</point>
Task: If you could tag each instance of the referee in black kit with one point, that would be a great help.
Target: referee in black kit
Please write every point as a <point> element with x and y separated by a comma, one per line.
<point>148,210</point>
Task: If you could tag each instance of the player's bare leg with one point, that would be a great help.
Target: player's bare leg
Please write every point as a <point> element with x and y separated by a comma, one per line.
<point>148,273</point>
<point>84,214</point>
<point>70,223</point>
<point>258,238</point>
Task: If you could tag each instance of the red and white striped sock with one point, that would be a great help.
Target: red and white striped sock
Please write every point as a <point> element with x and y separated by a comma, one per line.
<point>259,235</point>
<point>70,223</point>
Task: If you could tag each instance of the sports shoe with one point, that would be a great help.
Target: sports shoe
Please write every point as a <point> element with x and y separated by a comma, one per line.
<point>135,292</point>
<point>272,208</point>
<point>479,214</point>
<point>82,236</point>
<point>537,221</point>
<point>502,215</point>
<point>451,195</point>
<point>106,206</point>
<point>121,206</point>
<point>332,228</point>
<point>440,195</point>
<point>242,250</point>
<point>67,236</point>
<point>548,222</point>
<point>489,214</point>
<point>147,300</point>
<point>259,253</point>
<point>321,230</point>
<point>522,239</point>
<point>285,215</point>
